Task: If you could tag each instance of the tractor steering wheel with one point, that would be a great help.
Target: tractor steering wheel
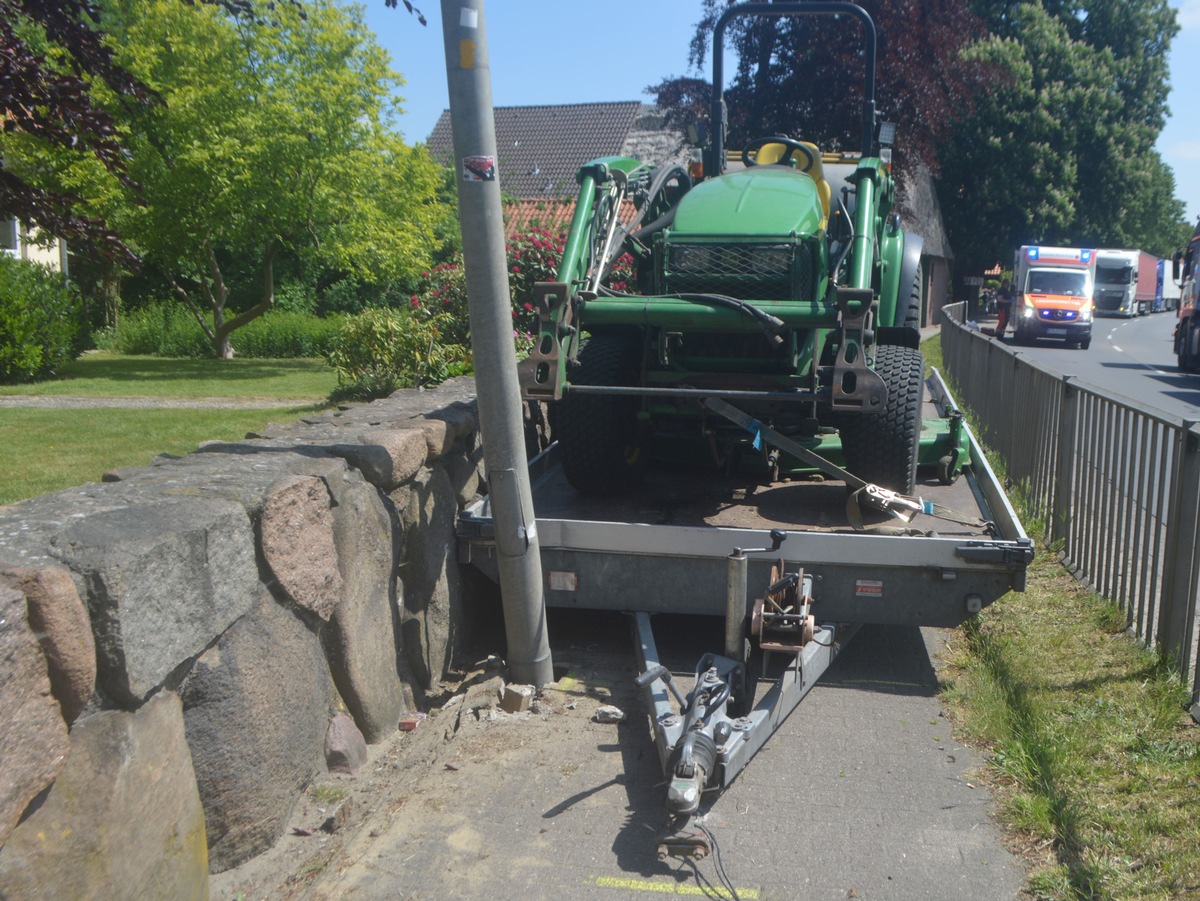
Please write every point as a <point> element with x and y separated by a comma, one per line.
<point>791,144</point>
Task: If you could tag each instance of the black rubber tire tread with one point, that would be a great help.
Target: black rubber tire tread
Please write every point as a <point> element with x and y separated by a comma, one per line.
<point>910,316</point>
<point>882,448</point>
<point>601,441</point>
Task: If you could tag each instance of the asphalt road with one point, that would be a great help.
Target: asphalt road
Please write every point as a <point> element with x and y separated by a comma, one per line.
<point>1131,359</point>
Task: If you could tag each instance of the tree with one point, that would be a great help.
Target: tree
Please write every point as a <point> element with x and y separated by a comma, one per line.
<point>274,134</point>
<point>48,53</point>
<point>1061,148</point>
<point>803,75</point>
<point>50,50</point>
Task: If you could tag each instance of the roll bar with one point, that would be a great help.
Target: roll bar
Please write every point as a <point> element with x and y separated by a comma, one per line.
<point>812,8</point>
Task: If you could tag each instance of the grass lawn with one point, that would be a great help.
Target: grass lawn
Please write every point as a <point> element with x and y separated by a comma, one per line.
<point>103,374</point>
<point>47,449</point>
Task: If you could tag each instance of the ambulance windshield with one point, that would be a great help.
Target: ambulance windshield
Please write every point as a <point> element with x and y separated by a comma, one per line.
<point>1053,281</point>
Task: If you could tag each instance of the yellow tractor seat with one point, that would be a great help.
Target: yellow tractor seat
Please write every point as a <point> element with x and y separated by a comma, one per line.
<point>773,152</point>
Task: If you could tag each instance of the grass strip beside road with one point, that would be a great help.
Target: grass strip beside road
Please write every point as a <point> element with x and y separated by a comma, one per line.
<point>1092,757</point>
<point>46,450</point>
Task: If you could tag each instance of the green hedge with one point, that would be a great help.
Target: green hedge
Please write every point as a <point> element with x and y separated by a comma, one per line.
<point>378,351</point>
<point>170,330</point>
<point>40,321</point>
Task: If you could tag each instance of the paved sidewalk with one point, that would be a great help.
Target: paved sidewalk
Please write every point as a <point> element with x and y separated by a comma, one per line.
<point>863,793</point>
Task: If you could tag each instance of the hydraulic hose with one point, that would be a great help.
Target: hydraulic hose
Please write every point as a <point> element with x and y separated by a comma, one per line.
<point>771,325</point>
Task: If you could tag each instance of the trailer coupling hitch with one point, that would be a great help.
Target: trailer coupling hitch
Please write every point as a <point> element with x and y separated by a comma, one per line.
<point>703,731</point>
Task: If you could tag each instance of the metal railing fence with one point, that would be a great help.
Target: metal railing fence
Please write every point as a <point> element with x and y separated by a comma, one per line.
<point>1115,484</point>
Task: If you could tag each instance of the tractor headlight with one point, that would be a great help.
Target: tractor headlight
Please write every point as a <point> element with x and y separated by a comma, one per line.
<point>772,260</point>
<point>690,257</point>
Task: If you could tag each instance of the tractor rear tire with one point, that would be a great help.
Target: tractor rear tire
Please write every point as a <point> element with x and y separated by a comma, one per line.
<point>882,448</point>
<point>601,440</point>
<point>908,312</point>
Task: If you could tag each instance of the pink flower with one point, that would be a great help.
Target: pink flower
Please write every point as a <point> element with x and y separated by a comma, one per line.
<point>528,308</point>
<point>415,302</point>
<point>516,270</point>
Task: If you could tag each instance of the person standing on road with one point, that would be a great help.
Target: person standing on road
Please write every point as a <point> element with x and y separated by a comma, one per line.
<point>1004,299</point>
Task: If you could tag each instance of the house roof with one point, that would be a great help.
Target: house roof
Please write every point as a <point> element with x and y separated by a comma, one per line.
<point>539,149</point>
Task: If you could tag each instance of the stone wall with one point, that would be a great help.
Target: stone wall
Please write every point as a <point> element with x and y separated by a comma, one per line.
<point>177,641</point>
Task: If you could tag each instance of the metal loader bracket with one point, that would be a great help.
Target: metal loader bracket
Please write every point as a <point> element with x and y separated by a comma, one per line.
<point>542,377</point>
<point>856,387</point>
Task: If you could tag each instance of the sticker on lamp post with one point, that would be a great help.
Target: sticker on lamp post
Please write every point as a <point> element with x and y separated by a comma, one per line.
<point>479,168</point>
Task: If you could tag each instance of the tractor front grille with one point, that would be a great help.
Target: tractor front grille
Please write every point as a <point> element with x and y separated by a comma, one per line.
<point>744,271</point>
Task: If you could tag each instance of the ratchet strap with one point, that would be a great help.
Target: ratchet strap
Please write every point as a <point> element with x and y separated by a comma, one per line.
<point>864,494</point>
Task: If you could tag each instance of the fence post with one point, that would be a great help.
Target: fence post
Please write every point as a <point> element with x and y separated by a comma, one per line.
<point>1177,614</point>
<point>1064,477</point>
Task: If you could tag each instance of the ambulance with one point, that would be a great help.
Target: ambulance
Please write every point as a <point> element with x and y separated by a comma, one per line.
<point>1053,291</point>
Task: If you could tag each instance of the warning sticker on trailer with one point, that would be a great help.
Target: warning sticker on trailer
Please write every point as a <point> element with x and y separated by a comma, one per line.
<point>868,588</point>
<point>563,581</point>
<point>479,168</point>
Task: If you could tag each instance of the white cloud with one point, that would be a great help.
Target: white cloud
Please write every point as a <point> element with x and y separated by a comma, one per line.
<point>1189,14</point>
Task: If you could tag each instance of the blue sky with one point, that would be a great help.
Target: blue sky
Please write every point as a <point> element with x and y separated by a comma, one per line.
<point>574,52</point>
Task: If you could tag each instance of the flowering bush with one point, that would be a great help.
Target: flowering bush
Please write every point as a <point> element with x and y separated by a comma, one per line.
<point>443,293</point>
<point>532,257</point>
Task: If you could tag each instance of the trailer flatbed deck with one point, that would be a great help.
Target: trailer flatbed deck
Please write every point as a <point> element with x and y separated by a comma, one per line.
<point>663,548</point>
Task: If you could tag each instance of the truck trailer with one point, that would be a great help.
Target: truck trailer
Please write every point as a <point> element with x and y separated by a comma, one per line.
<point>1127,283</point>
<point>1187,329</point>
<point>1053,294</point>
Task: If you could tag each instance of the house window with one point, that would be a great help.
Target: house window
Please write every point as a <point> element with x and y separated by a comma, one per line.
<point>9,237</point>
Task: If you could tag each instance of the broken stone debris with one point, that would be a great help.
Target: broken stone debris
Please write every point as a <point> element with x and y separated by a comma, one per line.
<point>609,714</point>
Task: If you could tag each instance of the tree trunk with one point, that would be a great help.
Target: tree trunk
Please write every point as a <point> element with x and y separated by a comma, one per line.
<point>224,328</point>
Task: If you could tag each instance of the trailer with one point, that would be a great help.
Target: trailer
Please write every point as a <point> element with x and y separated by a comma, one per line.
<point>1128,283</point>
<point>793,567</point>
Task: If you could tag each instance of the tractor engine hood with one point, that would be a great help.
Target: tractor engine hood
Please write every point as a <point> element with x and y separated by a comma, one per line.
<point>774,201</point>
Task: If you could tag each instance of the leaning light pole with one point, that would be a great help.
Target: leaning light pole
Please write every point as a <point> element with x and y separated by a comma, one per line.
<point>497,388</point>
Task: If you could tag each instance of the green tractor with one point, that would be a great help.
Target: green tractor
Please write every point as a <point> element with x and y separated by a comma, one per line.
<point>777,281</point>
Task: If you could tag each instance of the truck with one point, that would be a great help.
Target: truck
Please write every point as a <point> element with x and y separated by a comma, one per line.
<point>1128,283</point>
<point>1053,294</point>
<point>1170,289</point>
<point>747,435</point>
<point>1187,326</point>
